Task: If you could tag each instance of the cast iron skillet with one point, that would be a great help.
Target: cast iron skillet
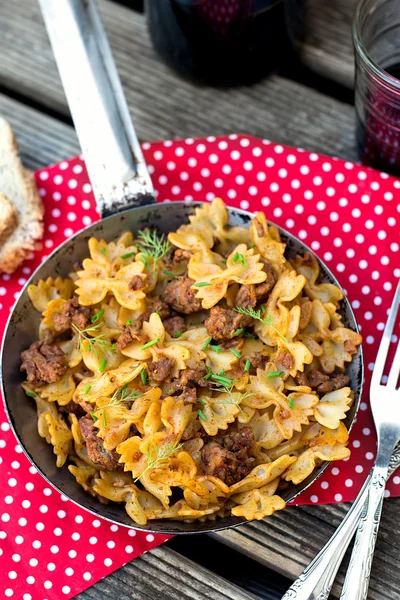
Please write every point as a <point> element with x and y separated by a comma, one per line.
<point>80,21</point>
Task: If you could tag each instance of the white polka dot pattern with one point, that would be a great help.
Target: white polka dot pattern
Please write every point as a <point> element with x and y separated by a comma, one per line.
<point>348,214</point>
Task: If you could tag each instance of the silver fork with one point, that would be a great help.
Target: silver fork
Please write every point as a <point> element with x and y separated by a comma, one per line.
<point>317,579</point>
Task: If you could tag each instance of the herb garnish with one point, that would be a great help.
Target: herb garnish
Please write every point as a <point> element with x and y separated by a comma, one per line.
<point>247,366</point>
<point>30,394</point>
<point>202,284</point>
<point>250,336</point>
<point>178,334</point>
<point>291,403</point>
<point>103,250</point>
<point>128,323</point>
<point>239,258</point>
<point>88,388</point>
<point>103,365</point>
<point>161,453</point>
<point>128,254</point>
<point>216,348</point>
<point>238,332</point>
<point>234,397</point>
<point>153,245</point>
<point>170,274</point>
<point>206,343</point>
<point>275,374</point>
<point>96,341</point>
<point>143,377</point>
<point>256,314</point>
<point>235,353</point>
<point>98,315</point>
<point>202,415</point>
<point>149,344</point>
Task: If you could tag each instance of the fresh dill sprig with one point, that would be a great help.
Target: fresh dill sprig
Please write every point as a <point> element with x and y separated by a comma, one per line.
<point>122,394</point>
<point>155,456</point>
<point>234,397</point>
<point>153,245</point>
<point>256,314</point>
<point>96,341</point>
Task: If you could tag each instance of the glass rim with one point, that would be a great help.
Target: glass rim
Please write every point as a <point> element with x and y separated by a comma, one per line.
<point>365,55</point>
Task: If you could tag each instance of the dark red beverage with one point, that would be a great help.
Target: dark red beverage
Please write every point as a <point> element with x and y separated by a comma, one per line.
<point>224,41</point>
<point>379,138</point>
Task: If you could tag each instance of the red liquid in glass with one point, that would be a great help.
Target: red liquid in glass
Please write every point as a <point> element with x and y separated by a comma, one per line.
<point>379,139</point>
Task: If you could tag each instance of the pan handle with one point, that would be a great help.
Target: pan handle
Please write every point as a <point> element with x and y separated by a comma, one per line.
<point>111,149</point>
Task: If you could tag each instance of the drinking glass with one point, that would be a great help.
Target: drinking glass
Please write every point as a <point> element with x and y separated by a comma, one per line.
<point>376,37</point>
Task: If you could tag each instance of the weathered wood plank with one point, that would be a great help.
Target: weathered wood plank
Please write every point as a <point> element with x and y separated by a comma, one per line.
<point>165,105</point>
<point>289,540</point>
<point>327,47</point>
<point>163,573</point>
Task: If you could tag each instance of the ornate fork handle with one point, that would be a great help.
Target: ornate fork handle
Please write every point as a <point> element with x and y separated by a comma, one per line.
<point>316,581</point>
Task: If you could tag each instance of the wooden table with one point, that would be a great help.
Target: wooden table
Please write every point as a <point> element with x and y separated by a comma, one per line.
<point>310,108</point>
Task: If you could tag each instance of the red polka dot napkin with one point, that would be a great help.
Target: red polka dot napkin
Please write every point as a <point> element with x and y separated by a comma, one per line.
<point>347,213</point>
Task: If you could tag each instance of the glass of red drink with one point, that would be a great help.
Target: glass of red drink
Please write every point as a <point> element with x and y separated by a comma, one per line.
<point>376,37</point>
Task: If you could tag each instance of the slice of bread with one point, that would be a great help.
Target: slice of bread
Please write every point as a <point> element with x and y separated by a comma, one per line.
<point>18,185</point>
<point>8,218</point>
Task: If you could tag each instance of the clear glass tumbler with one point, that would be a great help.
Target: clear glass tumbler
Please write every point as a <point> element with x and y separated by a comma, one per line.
<point>376,37</point>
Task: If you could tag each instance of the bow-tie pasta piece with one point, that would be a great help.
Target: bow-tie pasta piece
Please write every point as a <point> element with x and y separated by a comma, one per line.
<point>333,407</point>
<point>262,392</point>
<point>318,435</point>
<point>92,388</point>
<point>119,489</point>
<point>339,348</point>
<point>113,255</point>
<point>62,391</point>
<point>72,351</point>
<point>181,511</point>
<point>290,446</point>
<point>53,428</point>
<point>153,330</point>
<point>219,411</point>
<point>300,408</point>
<point>269,248</point>
<point>85,476</point>
<point>308,460</point>
<point>211,281</point>
<point>277,315</point>
<point>97,355</point>
<point>266,432</point>
<point>258,506</point>
<point>262,474</point>
<point>94,283</point>
<point>309,267</point>
<point>175,415</point>
<point>50,289</point>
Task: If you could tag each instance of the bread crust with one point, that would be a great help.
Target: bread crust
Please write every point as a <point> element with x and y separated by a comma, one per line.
<point>19,186</point>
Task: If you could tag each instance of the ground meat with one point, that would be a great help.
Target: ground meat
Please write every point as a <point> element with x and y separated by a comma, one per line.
<point>284,360</point>
<point>228,458</point>
<point>162,308</point>
<point>129,334</point>
<point>43,363</point>
<point>194,376</point>
<point>258,361</point>
<point>161,369</point>
<point>262,290</point>
<point>179,295</point>
<point>174,325</point>
<point>321,382</point>
<point>223,322</point>
<point>181,256</point>
<point>350,346</point>
<point>188,395</point>
<point>136,283</point>
<point>246,296</point>
<point>108,461</point>
<point>72,313</point>
<point>74,408</point>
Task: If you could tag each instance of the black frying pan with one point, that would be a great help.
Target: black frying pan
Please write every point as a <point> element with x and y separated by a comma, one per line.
<point>125,198</point>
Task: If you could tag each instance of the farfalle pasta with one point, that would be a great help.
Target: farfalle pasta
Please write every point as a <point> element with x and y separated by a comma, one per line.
<point>193,375</point>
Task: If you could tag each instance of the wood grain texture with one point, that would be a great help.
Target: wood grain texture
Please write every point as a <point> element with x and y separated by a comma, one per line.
<point>166,575</point>
<point>163,104</point>
<point>328,46</point>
